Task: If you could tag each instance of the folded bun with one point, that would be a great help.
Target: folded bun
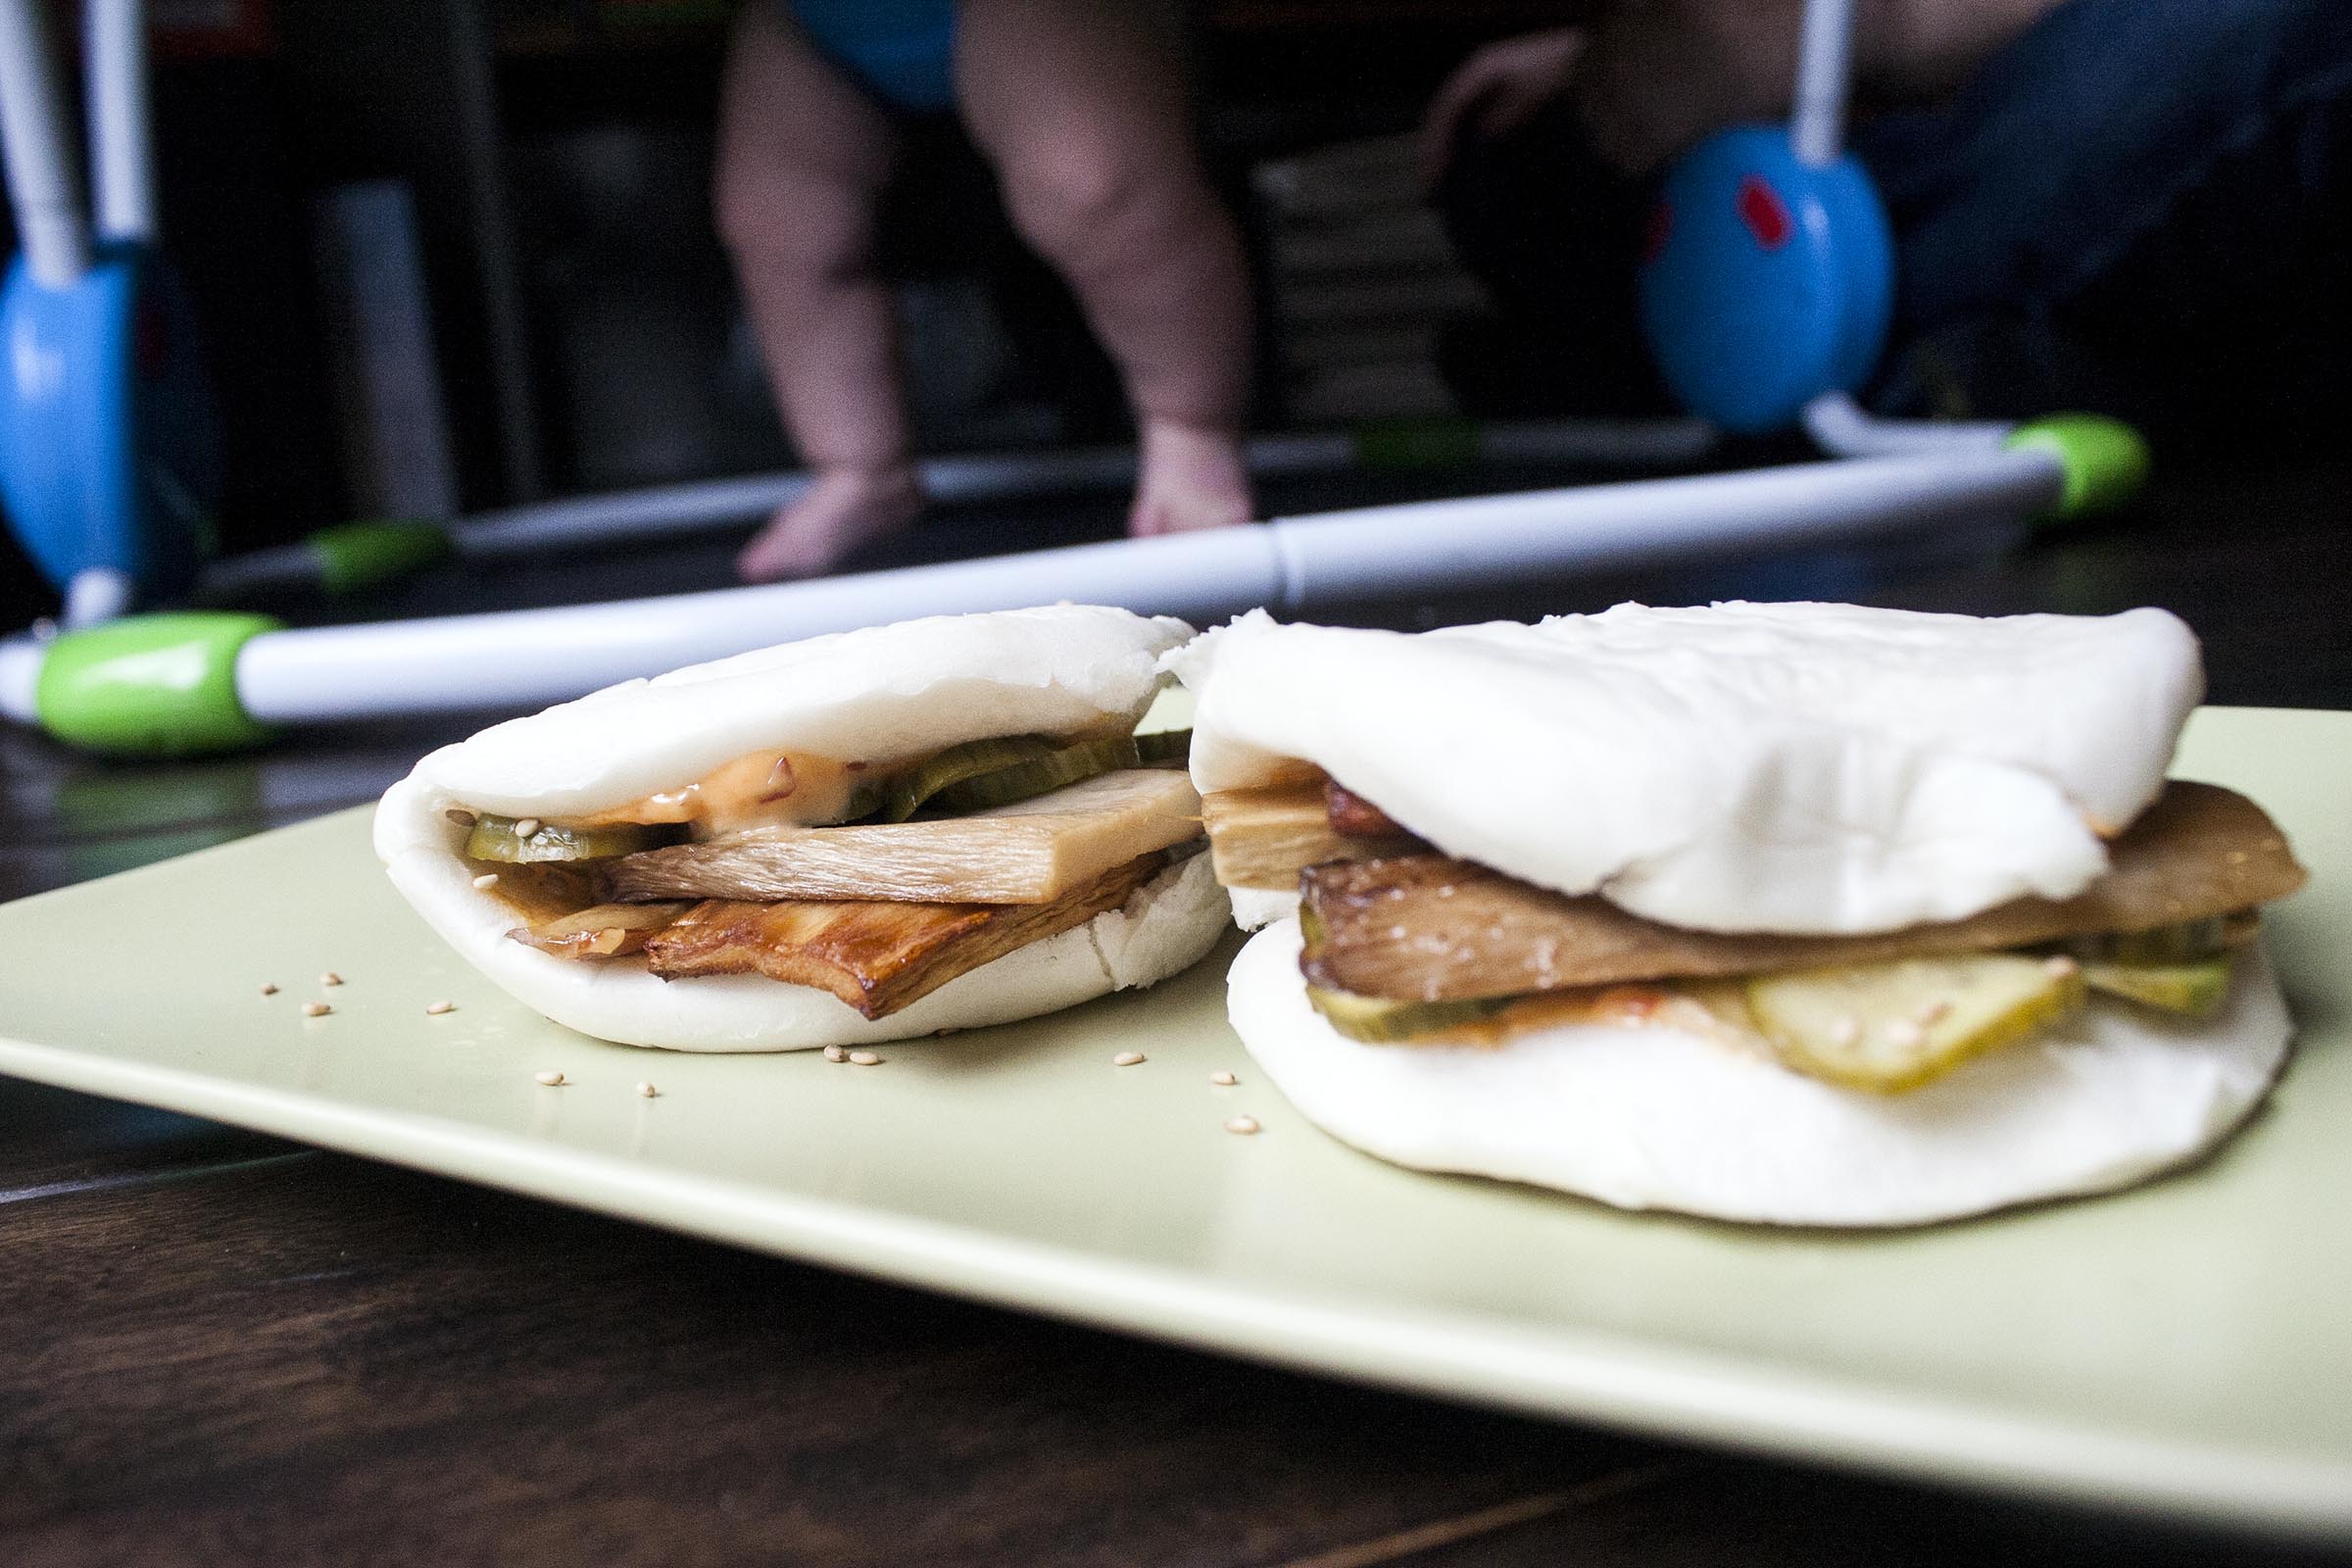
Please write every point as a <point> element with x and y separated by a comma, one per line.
<point>877,695</point>
<point>883,693</point>
<point>1652,1117</point>
<point>1801,768</point>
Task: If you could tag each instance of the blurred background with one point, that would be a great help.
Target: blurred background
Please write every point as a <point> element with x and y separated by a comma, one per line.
<point>448,255</point>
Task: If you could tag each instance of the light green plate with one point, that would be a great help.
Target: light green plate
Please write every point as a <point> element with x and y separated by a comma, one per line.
<point>2185,1348</point>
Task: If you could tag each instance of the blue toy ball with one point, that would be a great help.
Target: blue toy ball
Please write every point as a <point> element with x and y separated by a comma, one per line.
<point>107,455</point>
<point>1767,281</point>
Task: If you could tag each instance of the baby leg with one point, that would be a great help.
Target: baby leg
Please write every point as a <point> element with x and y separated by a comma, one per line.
<point>802,158</point>
<point>1080,106</point>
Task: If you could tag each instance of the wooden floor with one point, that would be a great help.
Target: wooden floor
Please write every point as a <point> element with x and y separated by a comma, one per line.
<point>217,1347</point>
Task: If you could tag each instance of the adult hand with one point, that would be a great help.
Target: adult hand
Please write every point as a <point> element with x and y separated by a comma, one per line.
<point>1495,91</point>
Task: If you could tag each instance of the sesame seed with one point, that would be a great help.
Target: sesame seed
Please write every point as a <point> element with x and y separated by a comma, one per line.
<point>330,978</point>
<point>837,1053</point>
<point>1223,1079</point>
<point>1903,1032</point>
<point>1126,1059</point>
<point>268,988</point>
<point>2058,967</point>
<point>1845,1029</point>
<point>437,1008</point>
<point>486,881</point>
<point>1242,1124</point>
<point>865,1059</point>
<point>529,827</point>
<point>316,1009</point>
<point>548,1076</point>
<point>646,1091</point>
<point>1934,1012</point>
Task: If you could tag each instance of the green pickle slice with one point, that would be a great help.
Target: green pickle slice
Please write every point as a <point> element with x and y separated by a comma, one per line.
<point>2193,990</point>
<point>1890,1027</point>
<point>2190,942</point>
<point>998,771</point>
<point>499,838</point>
<point>1377,1020</point>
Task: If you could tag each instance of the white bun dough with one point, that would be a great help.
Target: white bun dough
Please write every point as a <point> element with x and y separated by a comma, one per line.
<point>1660,1118</point>
<point>876,694</point>
<point>892,691</point>
<point>1802,768</point>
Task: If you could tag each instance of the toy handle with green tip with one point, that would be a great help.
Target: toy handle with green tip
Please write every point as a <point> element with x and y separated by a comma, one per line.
<point>2106,463</point>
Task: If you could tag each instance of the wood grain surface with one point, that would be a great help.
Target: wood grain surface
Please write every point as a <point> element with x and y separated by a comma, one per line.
<point>220,1348</point>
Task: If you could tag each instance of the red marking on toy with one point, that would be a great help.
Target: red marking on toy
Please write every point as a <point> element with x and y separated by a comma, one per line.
<point>1655,235</point>
<point>1764,212</point>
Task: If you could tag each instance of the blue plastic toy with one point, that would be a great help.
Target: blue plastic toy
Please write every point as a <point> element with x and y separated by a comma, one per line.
<point>1769,281</point>
<point>108,467</point>
<point>1769,278</point>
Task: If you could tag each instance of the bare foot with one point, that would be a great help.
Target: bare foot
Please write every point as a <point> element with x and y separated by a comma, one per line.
<point>844,509</point>
<point>1189,478</point>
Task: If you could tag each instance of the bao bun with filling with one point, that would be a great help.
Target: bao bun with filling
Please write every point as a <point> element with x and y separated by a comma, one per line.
<point>1785,769</point>
<point>894,691</point>
<point>1791,767</point>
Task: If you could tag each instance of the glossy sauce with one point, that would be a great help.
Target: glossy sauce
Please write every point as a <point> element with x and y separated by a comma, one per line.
<point>764,788</point>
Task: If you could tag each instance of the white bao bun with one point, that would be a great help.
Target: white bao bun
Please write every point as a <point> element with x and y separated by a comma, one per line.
<point>1823,768</point>
<point>889,692</point>
<point>1660,1118</point>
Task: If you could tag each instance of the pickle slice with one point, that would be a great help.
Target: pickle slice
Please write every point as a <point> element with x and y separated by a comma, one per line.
<point>2190,942</point>
<point>2193,990</point>
<point>1069,765</point>
<point>1006,769</point>
<point>1890,1027</point>
<point>1378,1021</point>
<point>497,838</point>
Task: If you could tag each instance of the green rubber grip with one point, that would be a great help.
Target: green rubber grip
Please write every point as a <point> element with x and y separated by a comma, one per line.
<point>1414,445</point>
<point>151,685</point>
<point>356,556</point>
<point>2105,460</point>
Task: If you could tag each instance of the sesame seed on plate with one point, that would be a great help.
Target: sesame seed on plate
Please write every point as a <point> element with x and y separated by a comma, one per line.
<point>529,827</point>
<point>1845,1029</point>
<point>1127,1059</point>
<point>268,988</point>
<point>1223,1079</point>
<point>1241,1124</point>
<point>486,881</point>
<point>437,1008</point>
<point>865,1059</point>
<point>1904,1033</point>
<point>548,1076</point>
<point>2058,967</point>
<point>647,1091</point>
<point>330,978</point>
<point>837,1053</point>
<point>316,1009</point>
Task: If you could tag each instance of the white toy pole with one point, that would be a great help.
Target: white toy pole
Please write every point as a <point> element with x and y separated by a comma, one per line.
<point>716,503</point>
<point>45,175</point>
<point>526,659</point>
<point>1843,428</point>
<point>1824,62</point>
<point>121,149</point>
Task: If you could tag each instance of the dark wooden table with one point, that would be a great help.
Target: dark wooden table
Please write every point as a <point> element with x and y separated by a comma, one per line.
<point>220,1348</point>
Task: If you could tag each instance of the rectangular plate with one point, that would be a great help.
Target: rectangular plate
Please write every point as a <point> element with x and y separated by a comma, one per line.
<point>2178,1348</point>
